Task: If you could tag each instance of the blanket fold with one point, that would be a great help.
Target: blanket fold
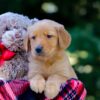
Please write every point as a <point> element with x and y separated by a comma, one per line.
<point>73,89</point>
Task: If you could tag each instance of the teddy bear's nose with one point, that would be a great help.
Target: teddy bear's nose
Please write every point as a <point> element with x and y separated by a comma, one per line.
<point>39,49</point>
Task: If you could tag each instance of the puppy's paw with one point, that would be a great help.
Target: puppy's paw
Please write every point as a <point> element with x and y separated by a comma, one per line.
<point>51,90</point>
<point>38,85</point>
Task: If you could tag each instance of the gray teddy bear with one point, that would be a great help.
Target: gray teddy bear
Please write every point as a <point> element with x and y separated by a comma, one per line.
<point>13,28</point>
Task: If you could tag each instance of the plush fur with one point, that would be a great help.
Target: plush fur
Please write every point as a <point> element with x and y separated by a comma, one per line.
<point>49,68</point>
<point>13,28</point>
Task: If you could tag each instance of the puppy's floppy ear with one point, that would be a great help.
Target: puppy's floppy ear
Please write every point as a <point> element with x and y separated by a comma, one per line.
<point>64,38</point>
<point>27,43</point>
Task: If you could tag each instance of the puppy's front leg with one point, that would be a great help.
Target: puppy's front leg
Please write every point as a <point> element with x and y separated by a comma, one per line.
<point>37,83</point>
<point>53,85</point>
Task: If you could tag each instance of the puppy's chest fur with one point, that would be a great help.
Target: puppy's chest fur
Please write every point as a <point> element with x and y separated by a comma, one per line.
<point>60,67</point>
<point>41,68</point>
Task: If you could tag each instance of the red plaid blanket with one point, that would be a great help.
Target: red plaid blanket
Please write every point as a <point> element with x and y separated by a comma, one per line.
<point>16,89</point>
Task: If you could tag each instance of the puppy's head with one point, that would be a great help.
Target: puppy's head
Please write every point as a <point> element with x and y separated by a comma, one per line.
<point>45,38</point>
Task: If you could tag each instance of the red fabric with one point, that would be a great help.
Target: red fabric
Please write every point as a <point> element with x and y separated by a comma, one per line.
<point>10,90</point>
<point>73,89</point>
<point>5,54</point>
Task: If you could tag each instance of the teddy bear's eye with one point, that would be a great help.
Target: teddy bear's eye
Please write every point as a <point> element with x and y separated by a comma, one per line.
<point>33,37</point>
<point>7,29</point>
<point>25,29</point>
<point>16,27</point>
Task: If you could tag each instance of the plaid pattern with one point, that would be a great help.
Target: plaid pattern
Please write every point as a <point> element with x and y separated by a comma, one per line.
<point>12,89</point>
<point>72,90</point>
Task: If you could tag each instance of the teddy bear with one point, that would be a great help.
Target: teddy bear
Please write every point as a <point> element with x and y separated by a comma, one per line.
<point>13,57</point>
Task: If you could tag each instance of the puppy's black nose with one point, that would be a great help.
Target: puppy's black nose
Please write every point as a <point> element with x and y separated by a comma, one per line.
<point>39,49</point>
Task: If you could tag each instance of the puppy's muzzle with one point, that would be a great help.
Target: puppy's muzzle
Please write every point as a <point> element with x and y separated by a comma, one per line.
<point>39,49</point>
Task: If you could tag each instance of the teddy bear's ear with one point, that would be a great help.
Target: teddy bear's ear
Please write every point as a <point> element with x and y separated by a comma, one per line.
<point>64,38</point>
<point>34,20</point>
<point>27,43</point>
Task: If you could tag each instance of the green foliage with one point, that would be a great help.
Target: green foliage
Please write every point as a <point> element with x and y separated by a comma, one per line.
<point>82,19</point>
<point>84,40</point>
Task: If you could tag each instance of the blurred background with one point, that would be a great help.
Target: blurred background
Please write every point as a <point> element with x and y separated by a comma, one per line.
<point>82,19</point>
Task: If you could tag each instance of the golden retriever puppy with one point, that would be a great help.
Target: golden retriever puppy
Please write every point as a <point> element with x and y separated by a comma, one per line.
<point>49,66</point>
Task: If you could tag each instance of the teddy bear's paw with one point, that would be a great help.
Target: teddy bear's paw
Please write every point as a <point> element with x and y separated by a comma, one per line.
<point>37,86</point>
<point>8,38</point>
<point>51,90</point>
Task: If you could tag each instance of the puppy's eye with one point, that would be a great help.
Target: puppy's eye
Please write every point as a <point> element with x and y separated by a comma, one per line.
<point>49,36</point>
<point>33,37</point>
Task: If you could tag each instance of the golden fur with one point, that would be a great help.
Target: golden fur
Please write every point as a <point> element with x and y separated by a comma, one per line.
<point>51,68</point>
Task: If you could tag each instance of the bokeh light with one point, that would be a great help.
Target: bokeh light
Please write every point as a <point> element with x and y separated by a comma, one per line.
<point>49,7</point>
